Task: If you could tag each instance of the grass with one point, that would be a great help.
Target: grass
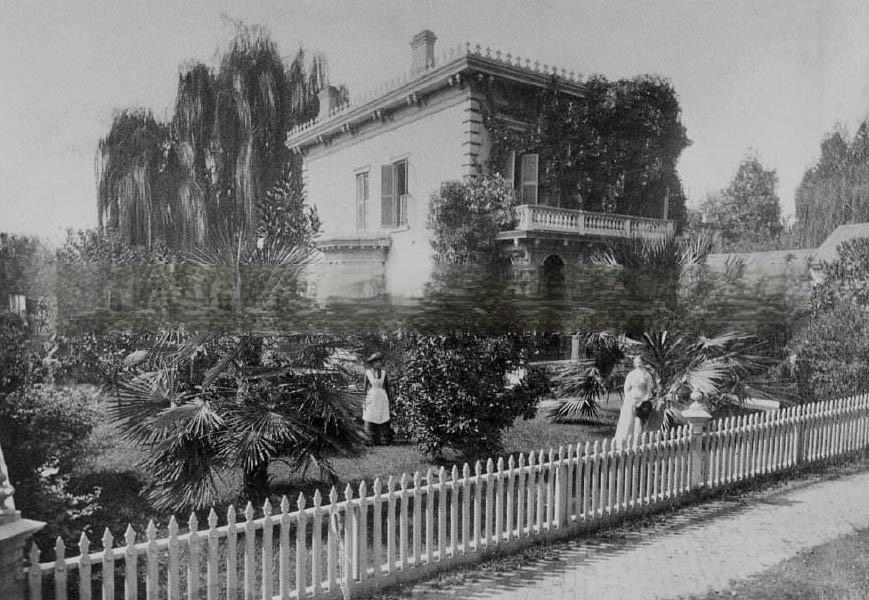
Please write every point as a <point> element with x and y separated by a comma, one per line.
<point>836,570</point>
<point>382,461</point>
<point>113,467</point>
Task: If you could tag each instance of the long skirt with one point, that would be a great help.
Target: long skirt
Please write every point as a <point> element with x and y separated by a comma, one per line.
<point>629,425</point>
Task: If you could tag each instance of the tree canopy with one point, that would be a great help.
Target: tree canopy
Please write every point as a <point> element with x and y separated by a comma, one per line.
<point>748,210</point>
<point>834,191</point>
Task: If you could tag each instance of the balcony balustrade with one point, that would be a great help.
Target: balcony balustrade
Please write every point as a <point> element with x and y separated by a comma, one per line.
<point>539,218</point>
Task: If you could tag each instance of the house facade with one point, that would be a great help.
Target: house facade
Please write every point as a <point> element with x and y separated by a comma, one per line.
<point>371,165</point>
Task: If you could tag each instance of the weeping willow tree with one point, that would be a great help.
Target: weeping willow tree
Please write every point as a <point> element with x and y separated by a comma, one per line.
<point>128,161</point>
<point>221,151</point>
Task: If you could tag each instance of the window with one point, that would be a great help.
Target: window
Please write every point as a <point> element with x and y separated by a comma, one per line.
<point>18,304</point>
<point>362,201</point>
<point>393,194</point>
<point>522,173</point>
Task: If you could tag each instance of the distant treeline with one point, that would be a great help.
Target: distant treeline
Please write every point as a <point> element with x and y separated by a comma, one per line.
<point>835,191</point>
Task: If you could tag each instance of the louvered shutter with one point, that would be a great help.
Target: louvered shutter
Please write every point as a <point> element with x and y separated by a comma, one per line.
<point>529,178</point>
<point>387,196</point>
<point>509,169</point>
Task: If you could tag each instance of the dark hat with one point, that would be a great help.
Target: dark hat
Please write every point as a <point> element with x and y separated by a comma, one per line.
<point>374,358</point>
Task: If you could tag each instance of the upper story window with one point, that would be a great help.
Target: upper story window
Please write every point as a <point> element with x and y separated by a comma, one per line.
<point>522,171</point>
<point>18,304</point>
<point>362,200</point>
<point>394,194</point>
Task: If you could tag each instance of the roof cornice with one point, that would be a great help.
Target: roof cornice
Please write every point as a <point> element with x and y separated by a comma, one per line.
<point>461,65</point>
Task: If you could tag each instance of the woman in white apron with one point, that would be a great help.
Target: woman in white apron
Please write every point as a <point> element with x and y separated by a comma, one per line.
<point>375,408</point>
<point>638,389</point>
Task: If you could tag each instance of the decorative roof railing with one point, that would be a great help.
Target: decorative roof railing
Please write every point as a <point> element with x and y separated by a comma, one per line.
<point>462,50</point>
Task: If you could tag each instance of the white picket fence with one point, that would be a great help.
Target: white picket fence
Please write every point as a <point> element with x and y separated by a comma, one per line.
<point>412,527</point>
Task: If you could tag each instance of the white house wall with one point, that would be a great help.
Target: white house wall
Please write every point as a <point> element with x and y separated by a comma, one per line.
<point>433,138</point>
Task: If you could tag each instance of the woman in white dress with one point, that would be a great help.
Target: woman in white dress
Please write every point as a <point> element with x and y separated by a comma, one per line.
<point>375,411</point>
<point>638,389</point>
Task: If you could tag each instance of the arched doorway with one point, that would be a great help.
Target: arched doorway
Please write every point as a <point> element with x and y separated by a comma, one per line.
<point>552,280</point>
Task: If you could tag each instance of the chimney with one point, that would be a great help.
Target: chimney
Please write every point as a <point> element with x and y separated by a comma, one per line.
<point>328,98</point>
<point>422,51</point>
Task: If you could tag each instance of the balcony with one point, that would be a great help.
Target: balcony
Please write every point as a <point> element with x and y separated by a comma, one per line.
<point>535,218</point>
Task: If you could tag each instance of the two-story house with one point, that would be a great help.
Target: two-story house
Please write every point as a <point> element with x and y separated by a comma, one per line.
<point>371,165</point>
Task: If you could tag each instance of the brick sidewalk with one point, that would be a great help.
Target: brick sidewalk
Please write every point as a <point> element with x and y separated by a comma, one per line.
<point>692,551</point>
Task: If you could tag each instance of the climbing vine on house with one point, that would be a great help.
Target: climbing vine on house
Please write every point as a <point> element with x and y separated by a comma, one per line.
<point>613,150</point>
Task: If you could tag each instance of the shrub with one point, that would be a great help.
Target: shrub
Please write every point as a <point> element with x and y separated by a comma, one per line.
<point>44,433</point>
<point>20,361</point>
<point>465,219</point>
<point>454,392</point>
<point>831,355</point>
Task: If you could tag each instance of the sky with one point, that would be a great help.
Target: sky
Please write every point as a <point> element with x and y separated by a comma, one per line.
<point>763,77</point>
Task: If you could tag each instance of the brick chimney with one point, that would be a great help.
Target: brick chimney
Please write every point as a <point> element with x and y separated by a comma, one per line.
<point>422,50</point>
<point>328,98</point>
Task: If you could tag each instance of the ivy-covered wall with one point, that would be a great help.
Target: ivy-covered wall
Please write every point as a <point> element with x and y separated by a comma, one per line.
<point>614,149</point>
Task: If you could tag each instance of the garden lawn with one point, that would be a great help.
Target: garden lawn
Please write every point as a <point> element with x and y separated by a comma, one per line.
<point>382,461</point>
<point>112,466</point>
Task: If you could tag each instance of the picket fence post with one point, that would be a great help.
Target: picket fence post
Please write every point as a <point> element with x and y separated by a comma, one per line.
<point>560,474</point>
<point>697,418</point>
<point>799,435</point>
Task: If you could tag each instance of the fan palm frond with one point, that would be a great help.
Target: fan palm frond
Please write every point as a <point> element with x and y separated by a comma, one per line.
<point>705,377</point>
<point>257,434</point>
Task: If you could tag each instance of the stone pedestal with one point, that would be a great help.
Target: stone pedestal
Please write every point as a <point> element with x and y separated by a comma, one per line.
<point>697,418</point>
<point>15,533</point>
<point>574,347</point>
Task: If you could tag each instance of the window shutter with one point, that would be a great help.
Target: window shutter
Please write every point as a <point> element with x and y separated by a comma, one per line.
<point>529,178</point>
<point>361,201</point>
<point>510,169</point>
<point>387,196</point>
<point>399,173</point>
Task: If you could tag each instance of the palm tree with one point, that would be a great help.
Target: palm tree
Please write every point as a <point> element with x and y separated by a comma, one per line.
<point>238,397</point>
<point>580,387</point>
<point>650,275</point>
<point>727,369</point>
